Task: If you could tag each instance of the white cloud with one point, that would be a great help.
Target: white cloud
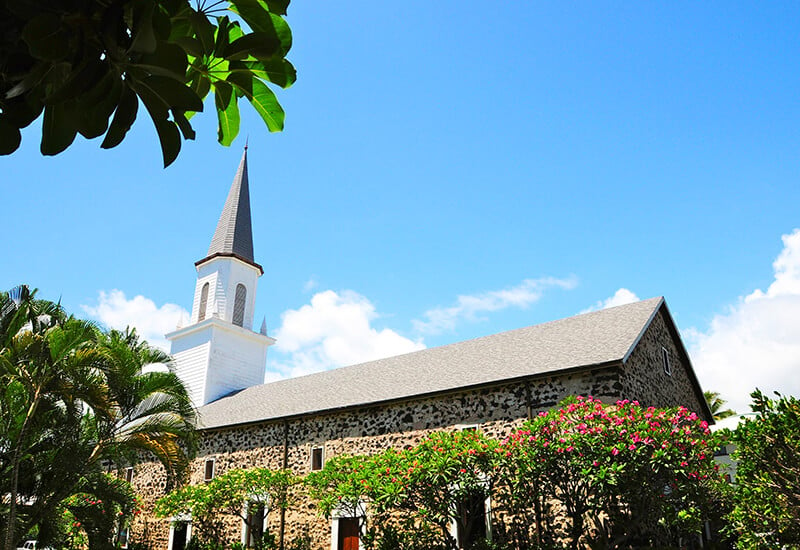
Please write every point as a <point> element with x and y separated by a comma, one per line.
<point>152,322</point>
<point>470,307</point>
<point>620,298</point>
<point>310,284</point>
<point>756,342</point>
<point>335,329</point>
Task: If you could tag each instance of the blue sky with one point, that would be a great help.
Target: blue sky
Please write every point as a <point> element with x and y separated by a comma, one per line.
<point>483,166</point>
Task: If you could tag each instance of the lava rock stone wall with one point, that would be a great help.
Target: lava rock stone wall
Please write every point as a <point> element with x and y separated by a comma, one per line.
<point>370,429</point>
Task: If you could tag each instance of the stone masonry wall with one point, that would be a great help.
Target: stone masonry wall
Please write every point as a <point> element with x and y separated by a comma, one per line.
<point>369,430</point>
<point>643,376</point>
<point>365,430</point>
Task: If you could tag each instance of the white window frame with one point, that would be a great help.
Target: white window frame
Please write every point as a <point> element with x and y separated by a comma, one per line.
<point>665,362</point>
<point>213,462</point>
<point>129,475</point>
<point>467,427</point>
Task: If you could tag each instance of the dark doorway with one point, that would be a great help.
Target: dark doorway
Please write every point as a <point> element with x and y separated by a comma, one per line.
<point>254,526</point>
<point>348,534</point>
<point>179,532</point>
<point>472,519</point>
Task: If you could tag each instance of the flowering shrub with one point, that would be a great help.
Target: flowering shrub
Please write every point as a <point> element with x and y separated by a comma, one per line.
<point>445,479</point>
<point>419,491</point>
<point>224,496</point>
<point>621,474</point>
<point>92,519</point>
<point>583,473</point>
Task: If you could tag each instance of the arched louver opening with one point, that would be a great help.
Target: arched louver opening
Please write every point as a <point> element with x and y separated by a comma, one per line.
<point>201,312</point>
<point>238,305</point>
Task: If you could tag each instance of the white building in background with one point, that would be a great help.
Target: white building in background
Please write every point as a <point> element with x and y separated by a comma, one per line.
<point>219,353</point>
<point>723,456</point>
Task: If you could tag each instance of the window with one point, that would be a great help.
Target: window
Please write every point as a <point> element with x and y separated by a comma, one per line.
<point>129,475</point>
<point>238,305</point>
<point>209,471</point>
<point>122,537</point>
<point>665,361</point>
<point>317,458</point>
<point>201,311</point>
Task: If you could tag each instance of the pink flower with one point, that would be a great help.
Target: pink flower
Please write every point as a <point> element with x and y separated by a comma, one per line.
<point>614,451</point>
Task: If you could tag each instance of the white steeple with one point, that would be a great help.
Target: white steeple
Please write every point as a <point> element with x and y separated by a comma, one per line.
<point>218,352</point>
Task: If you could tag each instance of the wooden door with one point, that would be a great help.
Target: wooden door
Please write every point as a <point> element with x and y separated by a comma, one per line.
<point>348,534</point>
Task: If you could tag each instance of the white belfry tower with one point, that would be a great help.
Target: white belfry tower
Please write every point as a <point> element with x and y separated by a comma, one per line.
<point>218,352</point>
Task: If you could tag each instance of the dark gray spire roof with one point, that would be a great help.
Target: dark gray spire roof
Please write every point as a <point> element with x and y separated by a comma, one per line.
<point>234,234</point>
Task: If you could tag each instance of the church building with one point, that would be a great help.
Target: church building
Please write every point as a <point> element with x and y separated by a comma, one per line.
<point>493,383</point>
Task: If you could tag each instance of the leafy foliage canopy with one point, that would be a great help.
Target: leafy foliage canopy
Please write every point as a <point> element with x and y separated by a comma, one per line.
<point>86,65</point>
<point>767,507</point>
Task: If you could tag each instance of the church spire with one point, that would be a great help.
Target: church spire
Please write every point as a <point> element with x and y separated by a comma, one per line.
<point>234,234</point>
<point>218,352</point>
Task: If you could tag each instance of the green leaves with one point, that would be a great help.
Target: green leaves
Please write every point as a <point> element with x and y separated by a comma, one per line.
<point>257,44</point>
<point>265,21</point>
<point>227,112</point>
<point>58,129</point>
<point>86,62</point>
<point>124,116</point>
<point>10,136</point>
<point>73,399</point>
<point>428,486</point>
<point>226,495</point>
<point>766,512</point>
<point>591,457</point>
<point>46,37</point>
<point>160,95</point>
<point>261,98</point>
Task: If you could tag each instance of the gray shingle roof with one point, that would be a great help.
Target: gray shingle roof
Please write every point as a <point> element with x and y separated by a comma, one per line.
<point>234,233</point>
<point>594,338</point>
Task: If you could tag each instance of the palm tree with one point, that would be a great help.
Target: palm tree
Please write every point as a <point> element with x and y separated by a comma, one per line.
<point>152,411</point>
<point>715,403</point>
<point>48,368</point>
<point>74,398</point>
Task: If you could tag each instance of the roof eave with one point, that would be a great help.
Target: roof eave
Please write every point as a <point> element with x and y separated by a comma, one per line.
<point>207,259</point>
<point>673,328</point>
<point>427,395</point>
<point>645,326</point>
